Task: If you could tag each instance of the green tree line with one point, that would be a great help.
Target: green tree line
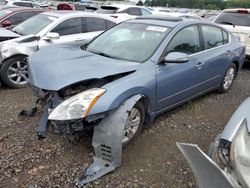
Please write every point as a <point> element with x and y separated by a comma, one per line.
<point>198,4</point>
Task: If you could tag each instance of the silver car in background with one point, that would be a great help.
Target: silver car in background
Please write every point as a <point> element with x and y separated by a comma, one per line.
<point>58,27</point>
<point>227,164</point>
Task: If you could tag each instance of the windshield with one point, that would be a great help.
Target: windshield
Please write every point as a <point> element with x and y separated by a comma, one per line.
<point>34,25</point>
<point>240,19</point>
<point>129,41</point>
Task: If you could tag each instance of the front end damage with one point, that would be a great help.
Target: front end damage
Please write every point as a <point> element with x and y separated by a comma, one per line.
<point>47,101</point>
<point>108,127</point>
<point>227,164</point>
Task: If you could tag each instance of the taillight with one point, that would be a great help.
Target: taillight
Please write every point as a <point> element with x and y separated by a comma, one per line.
<point>243,11</point>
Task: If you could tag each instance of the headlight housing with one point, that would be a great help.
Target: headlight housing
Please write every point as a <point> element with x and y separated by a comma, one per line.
<point>77,106</point>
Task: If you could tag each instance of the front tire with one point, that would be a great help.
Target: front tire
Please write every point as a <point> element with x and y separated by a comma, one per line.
<point>228,79</point>
<point>134,123</point>
<point>14,72</point>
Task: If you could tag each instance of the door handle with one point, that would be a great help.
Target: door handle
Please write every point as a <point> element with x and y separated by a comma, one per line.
<point>199,65</point>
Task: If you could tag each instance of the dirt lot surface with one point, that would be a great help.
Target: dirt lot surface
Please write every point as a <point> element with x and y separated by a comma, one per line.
<point>153,160</point>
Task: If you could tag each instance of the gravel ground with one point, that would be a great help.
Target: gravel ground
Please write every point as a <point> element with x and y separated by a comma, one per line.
<point>153,160</point>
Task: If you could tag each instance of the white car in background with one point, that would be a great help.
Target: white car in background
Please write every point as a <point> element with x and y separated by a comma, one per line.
<point>124,11</point>
<point>238,22</point>
<point>182,15</point>
<point>130,12</point>
<point>23,4</point>
<point>57,27</point>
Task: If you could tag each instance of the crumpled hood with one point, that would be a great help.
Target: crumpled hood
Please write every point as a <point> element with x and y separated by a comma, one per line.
<point>58,66</point>
<point>7,33</point>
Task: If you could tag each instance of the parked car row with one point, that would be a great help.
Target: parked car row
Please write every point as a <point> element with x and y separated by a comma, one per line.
<point>13,16</point>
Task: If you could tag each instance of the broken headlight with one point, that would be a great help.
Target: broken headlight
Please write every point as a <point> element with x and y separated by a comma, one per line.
<point>77,106</point>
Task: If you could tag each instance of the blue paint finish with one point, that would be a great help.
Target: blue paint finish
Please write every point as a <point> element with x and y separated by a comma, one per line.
<point>165,85</point>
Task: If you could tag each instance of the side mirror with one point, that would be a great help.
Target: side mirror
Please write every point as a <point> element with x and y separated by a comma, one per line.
<point>52,35</point>
<point>6,23</point>
<point>175,57</point>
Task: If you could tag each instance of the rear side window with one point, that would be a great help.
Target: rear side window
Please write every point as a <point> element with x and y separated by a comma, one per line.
<point>212,36</point>
<point>185,41</point>
<point>35,5</point>
<point>134,11</point>
<point>94,24</point>
<point>109,24</point>
<point>240,19</point>
<point>69,27</point>
<point>23,4</point>
<point>145,12</point>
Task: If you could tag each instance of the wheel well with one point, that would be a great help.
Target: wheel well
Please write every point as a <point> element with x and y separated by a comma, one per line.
<point>17,55</point>
<point>236,65</point>
<point>145,103</point>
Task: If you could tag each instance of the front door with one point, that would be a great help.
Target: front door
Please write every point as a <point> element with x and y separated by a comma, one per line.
<point>177,82</point>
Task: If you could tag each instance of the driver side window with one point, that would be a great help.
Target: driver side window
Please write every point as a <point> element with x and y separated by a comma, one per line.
<point>185,41</point>
<point>69,27</point>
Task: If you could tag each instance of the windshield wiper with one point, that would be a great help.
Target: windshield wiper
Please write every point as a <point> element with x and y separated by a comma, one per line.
<point>103,54</point>
<point>106,55</point>
<point>100,53</point>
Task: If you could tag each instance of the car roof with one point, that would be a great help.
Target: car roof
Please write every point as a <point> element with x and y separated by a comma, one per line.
<point>161,20</point>
<point>122,7</point>
<point>235,10</point>
<point>23,2</point>
<point>15,9</point>
<point>70,13</point>
<point>168,21</point>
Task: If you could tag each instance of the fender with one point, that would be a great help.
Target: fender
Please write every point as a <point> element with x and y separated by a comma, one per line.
<point>20,46</point>
<point>120,90</point>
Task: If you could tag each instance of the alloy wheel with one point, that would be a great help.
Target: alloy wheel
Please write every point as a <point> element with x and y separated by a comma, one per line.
<point>132,125</point>
<point>18,72</point>
<point>229,77</point>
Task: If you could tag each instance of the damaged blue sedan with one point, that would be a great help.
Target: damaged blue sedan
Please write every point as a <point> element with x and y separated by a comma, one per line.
<point>125,77</point>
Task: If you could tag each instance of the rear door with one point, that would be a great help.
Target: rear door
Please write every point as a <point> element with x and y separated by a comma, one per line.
<point>216,54</point>
<point>94,26</point>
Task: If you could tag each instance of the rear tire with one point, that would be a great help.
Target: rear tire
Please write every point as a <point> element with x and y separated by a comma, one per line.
<point>14,72</point>
<point>228,79</point>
